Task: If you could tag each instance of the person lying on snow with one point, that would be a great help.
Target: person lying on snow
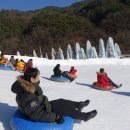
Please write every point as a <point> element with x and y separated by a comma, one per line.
<point>32,103</point>
<point>103,79</point>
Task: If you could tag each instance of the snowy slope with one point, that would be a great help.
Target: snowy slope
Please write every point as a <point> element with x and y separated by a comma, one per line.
<point>113,107</point>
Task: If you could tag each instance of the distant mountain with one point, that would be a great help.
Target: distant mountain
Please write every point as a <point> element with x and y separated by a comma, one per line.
<point>56,27</point>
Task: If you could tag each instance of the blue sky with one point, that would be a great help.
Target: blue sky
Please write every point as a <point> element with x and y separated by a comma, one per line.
<point>33,4</point>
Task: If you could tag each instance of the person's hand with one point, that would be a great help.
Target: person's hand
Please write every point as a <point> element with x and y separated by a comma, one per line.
<point>60,119</point>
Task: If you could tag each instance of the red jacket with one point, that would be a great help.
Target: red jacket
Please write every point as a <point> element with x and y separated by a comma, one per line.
<point>29,65</point>
<point>102,79</point>
<point>72,71</point>
<point>102,82</point>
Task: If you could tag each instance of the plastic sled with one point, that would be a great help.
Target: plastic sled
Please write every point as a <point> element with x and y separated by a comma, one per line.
<point>102,87</point>
<point>59,79</point>
<point>6,67</point>
<point>19,122</point>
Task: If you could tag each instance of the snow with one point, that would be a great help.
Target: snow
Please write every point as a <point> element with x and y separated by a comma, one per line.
<point>113,106</point>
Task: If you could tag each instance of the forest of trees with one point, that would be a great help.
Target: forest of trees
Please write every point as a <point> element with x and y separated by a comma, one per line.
<point>54,27</point>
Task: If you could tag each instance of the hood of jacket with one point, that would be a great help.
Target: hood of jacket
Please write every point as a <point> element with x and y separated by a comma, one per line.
<point>99,73</point>
<point>22,85</point>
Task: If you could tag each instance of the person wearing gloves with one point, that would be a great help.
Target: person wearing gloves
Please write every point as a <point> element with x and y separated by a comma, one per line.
<point>35,106</point>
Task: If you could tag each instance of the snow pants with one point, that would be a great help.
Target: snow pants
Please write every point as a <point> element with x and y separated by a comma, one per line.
<point>64,107</point>
<point>112,83</point>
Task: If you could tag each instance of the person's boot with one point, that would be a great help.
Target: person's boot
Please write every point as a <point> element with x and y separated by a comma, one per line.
<point>119,86</point>
<point>71,79</point>
<point>83,104</point>
<point>90,115</point>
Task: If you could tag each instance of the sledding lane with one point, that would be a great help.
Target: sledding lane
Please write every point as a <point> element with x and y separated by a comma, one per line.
<point>113,106</point>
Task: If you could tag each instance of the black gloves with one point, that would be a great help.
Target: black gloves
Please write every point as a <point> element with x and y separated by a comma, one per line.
<point>60,119</point>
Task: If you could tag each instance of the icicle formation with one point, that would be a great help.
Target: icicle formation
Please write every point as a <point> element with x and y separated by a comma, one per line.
<point>80,54</point>
<point>93,53</point>
<point>18,53</point>
<point>53,53</point>
<point>69,52</point>
<point>110,50</point>
<point>101,49</point>
<point>88,49</point>
<point>40,52</point>
<point>61,55</point>
<point>117,50</point>
<point>77,51</point>
<point>83,54</point>
<point>34,53</point>
<point>46,56</point>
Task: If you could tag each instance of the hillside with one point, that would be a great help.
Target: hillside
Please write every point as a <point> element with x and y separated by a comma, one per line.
<point>57,27</point>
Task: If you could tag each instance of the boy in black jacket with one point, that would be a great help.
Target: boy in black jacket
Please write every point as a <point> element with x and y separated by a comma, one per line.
<point>32,103</point>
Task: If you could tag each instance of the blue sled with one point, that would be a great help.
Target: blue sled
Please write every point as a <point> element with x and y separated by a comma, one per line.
<point>19,122</point>
<point>6,67</point>
<point>59,79</point>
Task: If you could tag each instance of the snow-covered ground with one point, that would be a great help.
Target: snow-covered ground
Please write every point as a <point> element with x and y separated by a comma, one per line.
<point>113,106</point>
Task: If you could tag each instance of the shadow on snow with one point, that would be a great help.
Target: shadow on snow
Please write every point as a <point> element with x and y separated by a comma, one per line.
<point>83,84</point>
<point>46,78</point>
<point>6,112</point>
<point>121,93</point>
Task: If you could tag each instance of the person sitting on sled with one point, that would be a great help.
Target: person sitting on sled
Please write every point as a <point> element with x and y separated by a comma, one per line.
<point>36,106</point>
<point>57,71</point>
<point>72,73</point>
<point>29,64</point>
<point>104,80</point>
<point>4,60</point>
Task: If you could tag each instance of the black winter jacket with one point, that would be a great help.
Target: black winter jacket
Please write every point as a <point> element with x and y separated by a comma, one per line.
<point>31,101</point>
<point>57,71</point>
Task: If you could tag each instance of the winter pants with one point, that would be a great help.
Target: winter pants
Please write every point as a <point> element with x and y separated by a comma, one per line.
<point>66,74</point>
<point>67,108</point>
<point>112,83</point>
